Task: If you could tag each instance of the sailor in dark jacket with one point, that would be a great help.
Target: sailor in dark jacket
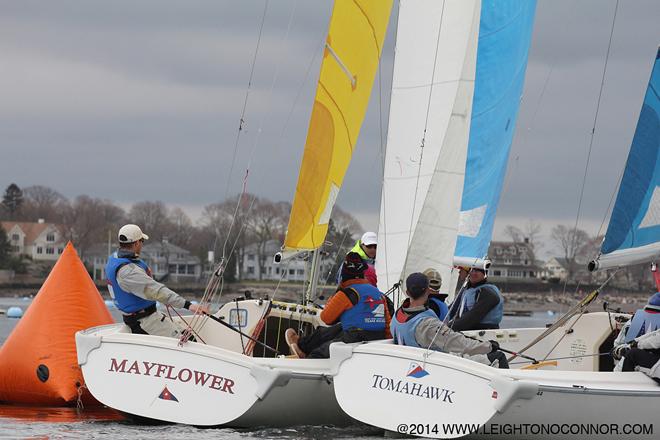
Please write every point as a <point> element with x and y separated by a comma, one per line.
<point>479,306</point>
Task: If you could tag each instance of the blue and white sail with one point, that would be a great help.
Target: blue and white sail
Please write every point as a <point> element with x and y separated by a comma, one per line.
<point>633,235</point>
<point>504,38</point>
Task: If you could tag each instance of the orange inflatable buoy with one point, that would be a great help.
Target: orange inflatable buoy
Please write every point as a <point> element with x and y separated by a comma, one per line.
<point>38,362</point>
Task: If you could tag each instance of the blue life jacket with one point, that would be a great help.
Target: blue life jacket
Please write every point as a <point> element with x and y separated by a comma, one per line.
<point>403,326</point>
<point>438,307</point>
<point>643,322</point>
<point>125,301</point>
<point>369,312</point>
<point>494,317</point>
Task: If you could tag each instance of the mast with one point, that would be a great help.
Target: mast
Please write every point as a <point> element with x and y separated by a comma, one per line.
<point>314,276</point>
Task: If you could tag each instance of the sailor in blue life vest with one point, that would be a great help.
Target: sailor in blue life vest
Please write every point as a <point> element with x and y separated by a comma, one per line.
<point>637,348</point>
<point>366,247</point>
<point>478,306</point>
<point>356,312</point>
<point>135,292</point>
<point>415,325</point>
<point>436,299</point>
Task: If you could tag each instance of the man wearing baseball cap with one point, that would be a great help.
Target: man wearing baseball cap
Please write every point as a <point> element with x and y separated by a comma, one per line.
<point>479,306</point>
<point>436,299</point>
<point>415,325</point>
<point>135,292</point>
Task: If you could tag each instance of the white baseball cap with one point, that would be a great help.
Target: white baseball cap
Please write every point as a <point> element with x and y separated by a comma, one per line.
<point>369,238</point>
<point>131,234</point>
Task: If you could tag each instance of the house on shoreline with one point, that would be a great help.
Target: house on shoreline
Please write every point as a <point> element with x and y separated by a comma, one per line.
<point>168,262</point>
<point>38,240</point>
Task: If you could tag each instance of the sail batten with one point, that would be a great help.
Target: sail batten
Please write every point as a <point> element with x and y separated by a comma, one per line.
<point>350,61</point>
<point>633,234</point>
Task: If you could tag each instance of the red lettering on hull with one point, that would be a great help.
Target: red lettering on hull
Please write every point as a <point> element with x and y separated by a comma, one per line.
<point>172,372</point>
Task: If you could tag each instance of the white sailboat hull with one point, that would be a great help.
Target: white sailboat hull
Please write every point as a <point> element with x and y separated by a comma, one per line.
<point>516,403</point>
<point>206,384</point>
<point>502,403</point>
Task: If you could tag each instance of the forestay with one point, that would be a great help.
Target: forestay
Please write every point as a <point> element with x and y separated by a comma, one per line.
<point>429,123</point>
<point>350,60</point>
<point>633,235</point>
<point>504,38</point>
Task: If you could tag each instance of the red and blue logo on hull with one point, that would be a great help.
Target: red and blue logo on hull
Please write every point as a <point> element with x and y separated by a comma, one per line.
<point>415,370</point>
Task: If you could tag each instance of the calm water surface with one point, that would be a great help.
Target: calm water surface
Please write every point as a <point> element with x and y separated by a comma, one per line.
<point>18,422</point>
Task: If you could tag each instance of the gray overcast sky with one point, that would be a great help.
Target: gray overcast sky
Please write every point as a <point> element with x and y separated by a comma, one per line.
<point>136,101</point>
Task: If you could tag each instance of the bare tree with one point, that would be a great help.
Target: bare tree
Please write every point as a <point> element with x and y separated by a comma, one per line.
<point>224,224</point>
<point>151,217</point>
<point>181,229</point>
<point>88,220</point>
<point>532,232</point>
<point>514,233</point>
<point>266,221</point>
<point>43,202</point>
<point>572,242</point>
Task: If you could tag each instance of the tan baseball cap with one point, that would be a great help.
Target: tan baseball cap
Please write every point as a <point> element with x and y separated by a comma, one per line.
<point>131,234</point>
<point>435,279</point>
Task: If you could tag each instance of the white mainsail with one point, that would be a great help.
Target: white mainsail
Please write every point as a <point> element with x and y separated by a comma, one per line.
<point>431,102</point>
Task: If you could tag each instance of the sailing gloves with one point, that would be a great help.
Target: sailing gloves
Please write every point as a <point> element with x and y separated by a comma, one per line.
<point>620,351</point>
<point>494,345</point>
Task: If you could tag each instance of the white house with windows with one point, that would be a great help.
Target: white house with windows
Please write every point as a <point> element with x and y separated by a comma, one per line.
<point>294,269</point>
<point>168,262</point>
<point>39,240</point>
<point>512,261</point>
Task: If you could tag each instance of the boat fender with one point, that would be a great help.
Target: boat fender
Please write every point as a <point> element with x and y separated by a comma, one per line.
<point>510,390</point>
<point>268,378</point>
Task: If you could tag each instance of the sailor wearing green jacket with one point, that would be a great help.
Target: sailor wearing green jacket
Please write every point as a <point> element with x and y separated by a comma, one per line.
<point>366,248</point>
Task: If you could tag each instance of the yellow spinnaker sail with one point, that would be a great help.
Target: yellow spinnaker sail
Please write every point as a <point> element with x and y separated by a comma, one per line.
<point>350,60</point>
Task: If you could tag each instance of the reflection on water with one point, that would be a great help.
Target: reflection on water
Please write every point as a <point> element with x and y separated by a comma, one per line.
<point>21,422</point>
<point>57,415</point>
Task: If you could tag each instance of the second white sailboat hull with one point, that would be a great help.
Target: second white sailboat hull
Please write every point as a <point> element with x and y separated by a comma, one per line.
<point>469,398</point>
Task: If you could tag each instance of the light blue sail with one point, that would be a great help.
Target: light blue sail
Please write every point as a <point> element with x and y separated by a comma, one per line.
<point>504,38</point>
<point>633,235</point>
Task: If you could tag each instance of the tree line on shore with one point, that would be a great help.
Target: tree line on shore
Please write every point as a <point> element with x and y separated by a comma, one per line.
<point>225,227</point>
<point>228,227</point>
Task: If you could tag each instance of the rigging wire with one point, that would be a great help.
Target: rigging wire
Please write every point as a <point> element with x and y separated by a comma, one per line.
<point>254,198</point>
<point>242,118</point>
<point>573,237</point>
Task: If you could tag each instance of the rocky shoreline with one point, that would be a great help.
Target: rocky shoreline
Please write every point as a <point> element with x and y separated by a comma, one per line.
<point>514,301</point>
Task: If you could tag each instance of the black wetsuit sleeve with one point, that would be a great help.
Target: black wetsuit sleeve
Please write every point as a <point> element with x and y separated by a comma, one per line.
<point>486,300</point>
